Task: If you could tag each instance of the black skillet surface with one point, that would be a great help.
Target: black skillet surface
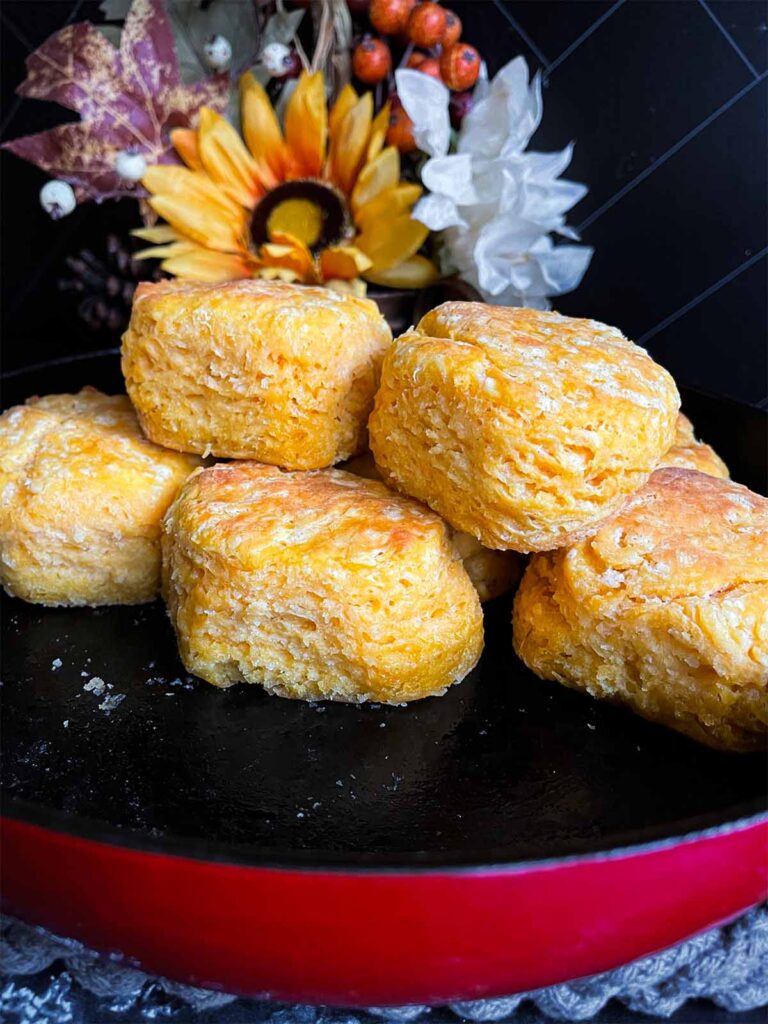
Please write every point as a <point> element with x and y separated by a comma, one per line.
<point>503,768</point>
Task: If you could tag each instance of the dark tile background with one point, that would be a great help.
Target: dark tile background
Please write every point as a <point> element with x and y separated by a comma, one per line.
<point>666,100</point>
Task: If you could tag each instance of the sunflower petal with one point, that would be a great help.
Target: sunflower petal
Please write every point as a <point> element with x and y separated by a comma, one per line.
<point>387,203</point>
<point>378,133</point>
<point>354,287</point>
<point>342,261</point>
<point>278,274</point>
<point>192,187</point>
<point>184,141</point>
<point>290,253</point>
<point>204,265</point>
<point>349,144</point>
<point>202,222</point>
<point>381,173</point>
<point>158,234</point>
<point>415,272</point>
<point>306,123</point>
<point>226,159</point>
<point>262,132</point>
<point>164,251</point>
<point>391,240</point>
<point>346,99</point>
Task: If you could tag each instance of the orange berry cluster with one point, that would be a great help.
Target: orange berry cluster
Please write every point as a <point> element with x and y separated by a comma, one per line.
<point>433,33</point>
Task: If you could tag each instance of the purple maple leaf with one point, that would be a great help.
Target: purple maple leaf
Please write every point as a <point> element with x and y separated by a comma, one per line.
<point>127,99</point>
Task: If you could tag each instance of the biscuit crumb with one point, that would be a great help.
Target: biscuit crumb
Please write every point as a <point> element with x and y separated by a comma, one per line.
<point>111,702</point>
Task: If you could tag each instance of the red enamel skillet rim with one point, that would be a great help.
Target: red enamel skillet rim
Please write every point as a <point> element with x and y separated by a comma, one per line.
<point>748,815</point>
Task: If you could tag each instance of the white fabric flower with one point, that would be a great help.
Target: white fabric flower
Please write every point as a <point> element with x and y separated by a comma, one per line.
<point>425,101</point>
<point>496,204</point>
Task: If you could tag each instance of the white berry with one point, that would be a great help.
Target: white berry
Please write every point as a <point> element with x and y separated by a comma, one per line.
<point>276,58</point>
<point>131,165</point>
<point>218,53</point>
<point>57,198</point>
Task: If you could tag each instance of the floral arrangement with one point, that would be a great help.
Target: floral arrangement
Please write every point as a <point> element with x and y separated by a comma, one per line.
<point>421,168</point>
<point>318,201</point>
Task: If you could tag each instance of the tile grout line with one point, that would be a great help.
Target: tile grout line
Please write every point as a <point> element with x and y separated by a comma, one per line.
<point>11,27</point>
<point>755,258</point>
<point>588,221</point>
<point>729,37</point>
<point>585,35</point>
<point>522,33</point>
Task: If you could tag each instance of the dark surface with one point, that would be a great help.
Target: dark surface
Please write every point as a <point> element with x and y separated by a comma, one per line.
<point>504,767</point>
<point>667,105</point>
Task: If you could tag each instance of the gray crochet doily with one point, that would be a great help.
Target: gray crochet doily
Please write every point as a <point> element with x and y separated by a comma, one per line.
<point>49,980</point>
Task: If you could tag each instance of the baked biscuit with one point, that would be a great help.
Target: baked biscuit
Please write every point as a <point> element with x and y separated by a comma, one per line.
<point>664,609</point>
<point>277,372</point>
<point>82,494</point>
<point>520,427</point>
<point>493,573</point>
<point>318,585</point>
<point>688,453</point>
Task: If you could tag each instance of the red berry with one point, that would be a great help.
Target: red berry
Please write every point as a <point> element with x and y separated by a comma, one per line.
<point>400,131</point>
<point>431,67</point>
<point>459,106</point>
<point>460,66</point>
<point>371,60</point>
<point>416,59</point>
<point>452,33</point>
<point>426,24</point>
<point>390,16</point>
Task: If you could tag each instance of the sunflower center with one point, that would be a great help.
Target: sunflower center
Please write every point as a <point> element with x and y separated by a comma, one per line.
<point>311,211</point>
<point>298,217</point>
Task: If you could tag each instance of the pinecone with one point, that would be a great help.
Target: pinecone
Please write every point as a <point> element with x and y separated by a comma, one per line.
<point>103,284</point>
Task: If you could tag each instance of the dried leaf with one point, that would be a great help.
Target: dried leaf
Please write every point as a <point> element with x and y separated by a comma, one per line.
<point>281,28</point>
<point>194,25</point>
<point>127,98</point>
<point>115,10</point>
<point>111,33</point>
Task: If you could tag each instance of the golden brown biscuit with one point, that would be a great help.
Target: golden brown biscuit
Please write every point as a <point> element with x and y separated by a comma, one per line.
<point>277,372</point>
<point>493,573</point>
<point>523,428</point>
<point>316,585</point>
<point>82,493</point>
<point>688,453</point>
<point>664,608</point>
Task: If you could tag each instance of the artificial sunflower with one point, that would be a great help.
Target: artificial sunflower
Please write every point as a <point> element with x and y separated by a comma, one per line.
<point>319,201</point>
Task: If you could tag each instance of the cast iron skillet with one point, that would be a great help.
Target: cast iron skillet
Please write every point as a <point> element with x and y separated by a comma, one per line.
<point>504,770</point>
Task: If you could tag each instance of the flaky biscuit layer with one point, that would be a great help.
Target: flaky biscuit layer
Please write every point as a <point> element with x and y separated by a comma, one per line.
<point>664,608</point>
<point>316,585</point>
<point>264,370</point>
<point>520,427</point>
<point>82,493</point>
